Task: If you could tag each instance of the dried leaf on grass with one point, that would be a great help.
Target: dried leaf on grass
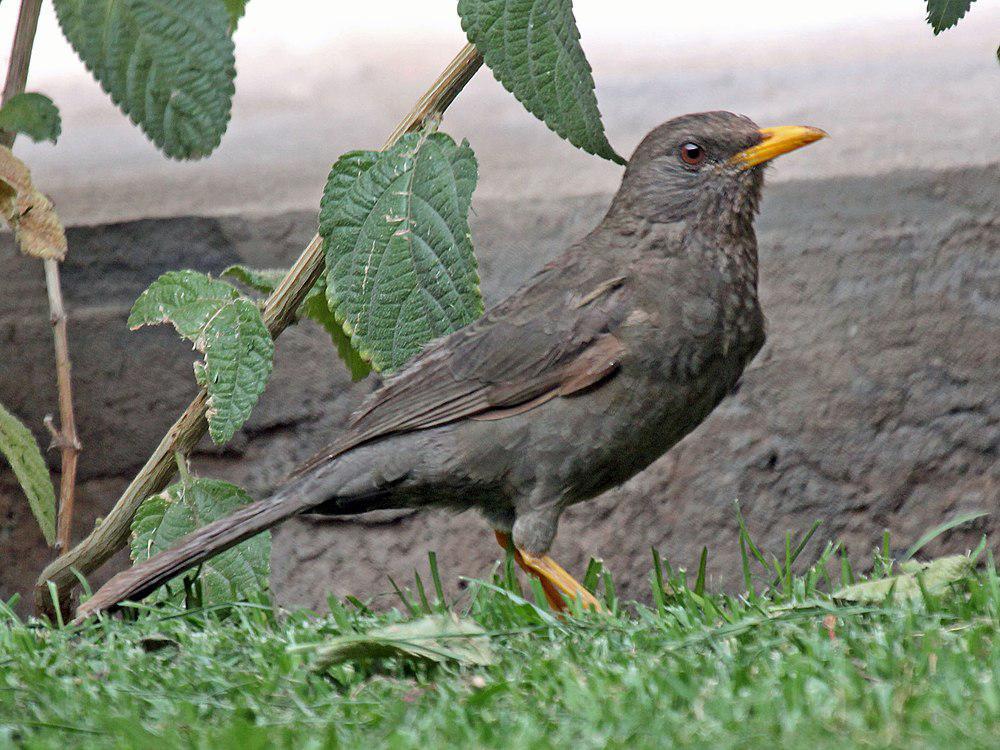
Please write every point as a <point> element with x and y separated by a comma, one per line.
<point>434,639</point>
<point>935,577</point>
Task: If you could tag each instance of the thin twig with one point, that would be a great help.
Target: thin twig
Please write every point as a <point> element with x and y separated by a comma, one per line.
<point>65,437</point>
<point>67,440</point>
<point>20,56</point>
<point>279,311</point>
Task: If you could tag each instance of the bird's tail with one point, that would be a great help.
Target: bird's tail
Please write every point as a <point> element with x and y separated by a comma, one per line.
<point>200,545</point>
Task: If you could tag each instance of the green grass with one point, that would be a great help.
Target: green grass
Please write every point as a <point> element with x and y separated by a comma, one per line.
<point>789,666</point>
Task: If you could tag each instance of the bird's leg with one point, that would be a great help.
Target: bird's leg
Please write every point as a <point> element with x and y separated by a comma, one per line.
<point>557,584</point>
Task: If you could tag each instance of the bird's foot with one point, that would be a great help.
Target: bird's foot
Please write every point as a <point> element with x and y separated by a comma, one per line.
<point>559,586</point>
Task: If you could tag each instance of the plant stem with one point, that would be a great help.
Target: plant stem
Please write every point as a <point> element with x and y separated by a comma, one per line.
<point>182,468</point>
<point>65,438</point>
<point>279,312</point>
<point>440,96</point>
<point>20,56</point>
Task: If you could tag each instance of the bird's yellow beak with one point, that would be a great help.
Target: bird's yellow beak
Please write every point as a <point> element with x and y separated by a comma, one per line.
<point>777,141</point>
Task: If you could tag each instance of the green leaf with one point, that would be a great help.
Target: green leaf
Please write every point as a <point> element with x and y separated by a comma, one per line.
<point>533,48</point>
<point>236,9</point>
<point>943,14</point>
<point>165,518</point>
<point>228,329</point>
<point>936,576</point>
<point>348,170</point>
<point>187,299</point>
<point>19,447</point>
<point>32,114</point>
<point>400,265</point>
<point>168,65</point>
<point>239,355</point>
<point>435,638</point>
<point>315,307</point>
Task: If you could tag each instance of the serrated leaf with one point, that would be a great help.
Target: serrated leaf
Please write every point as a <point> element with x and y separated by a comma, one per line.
<point>533,48</point>
<point>348,170</point>
<point>236,9</point>
<point>239,355</point>
<point>936,576</point>
<point>186,299</point>
<point>165,518</point>
<point>400,265</point>
<point>315,307</point>
<point>200,374</point>
<point>228,329</point>
<point>435,638</point>
<point>32,114</point>
<point>22,453</point>
<point>30,213</point>
<point>168,65</point>
<point>943,14</point>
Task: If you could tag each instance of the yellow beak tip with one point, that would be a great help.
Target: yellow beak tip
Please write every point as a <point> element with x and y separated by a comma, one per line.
<point>806,133</point>
<point>778,141</point>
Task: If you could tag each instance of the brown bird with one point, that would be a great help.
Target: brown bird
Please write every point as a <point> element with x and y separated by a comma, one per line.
<point>607,357</point>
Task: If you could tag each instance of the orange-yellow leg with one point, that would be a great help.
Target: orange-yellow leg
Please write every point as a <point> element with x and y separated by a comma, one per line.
<point>557,584</point>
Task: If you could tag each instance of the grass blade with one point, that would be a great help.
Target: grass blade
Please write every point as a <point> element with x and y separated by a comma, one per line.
<point>423,594</point>
<point>960,520</point>
<point>699,584</point>
<point>403,598</point>
<point>432,561</point>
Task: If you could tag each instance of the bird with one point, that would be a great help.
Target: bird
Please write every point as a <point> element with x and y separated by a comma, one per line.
<point>605,359</point>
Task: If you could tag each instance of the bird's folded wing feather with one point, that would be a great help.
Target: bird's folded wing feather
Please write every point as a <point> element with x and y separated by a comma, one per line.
<point>544,342</point>
<point>516,357</point>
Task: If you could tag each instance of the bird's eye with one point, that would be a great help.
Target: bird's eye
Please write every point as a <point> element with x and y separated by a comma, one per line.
<point>692,154</point>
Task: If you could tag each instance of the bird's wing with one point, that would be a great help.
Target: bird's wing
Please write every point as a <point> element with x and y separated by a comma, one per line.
<point>547,340</point>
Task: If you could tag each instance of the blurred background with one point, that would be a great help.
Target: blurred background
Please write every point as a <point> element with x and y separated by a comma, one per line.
<point>875,405</point>
<point>317,78</point>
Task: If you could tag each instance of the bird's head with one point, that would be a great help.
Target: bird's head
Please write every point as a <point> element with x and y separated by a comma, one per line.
<point>705,169</point>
